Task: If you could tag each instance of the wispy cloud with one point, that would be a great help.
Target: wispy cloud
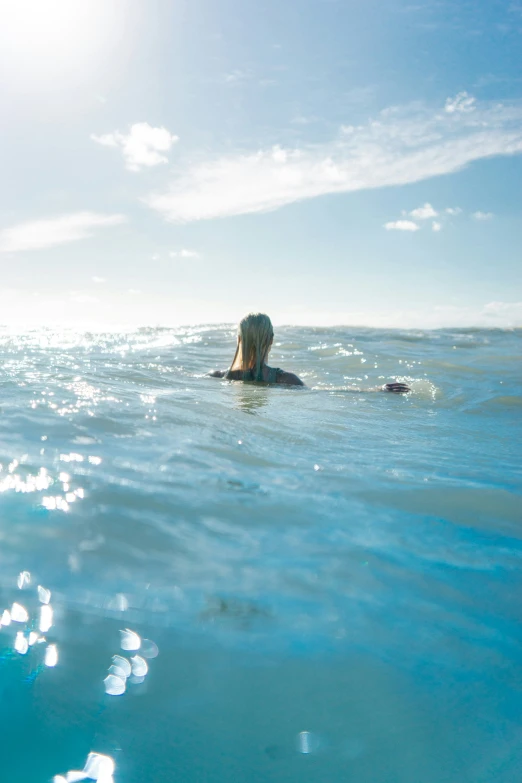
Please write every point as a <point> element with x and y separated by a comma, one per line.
<point>401,225</point>
<point>436,226</point>
<point>462,103</point>
<point>142,146</point>
<point>97,279</point>
<point>401,146</point>
<point>482,215</point>
<point>184,253</point>
<point>60,230</point>
<point>454,211</point>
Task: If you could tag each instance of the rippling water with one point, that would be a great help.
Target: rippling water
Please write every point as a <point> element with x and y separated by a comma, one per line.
<point>331,576</point>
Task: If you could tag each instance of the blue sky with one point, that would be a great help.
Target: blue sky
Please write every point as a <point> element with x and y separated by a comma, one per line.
<point>325,161</point>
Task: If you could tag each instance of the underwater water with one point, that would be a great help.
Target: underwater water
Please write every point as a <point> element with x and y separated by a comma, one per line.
<point>316,584</point>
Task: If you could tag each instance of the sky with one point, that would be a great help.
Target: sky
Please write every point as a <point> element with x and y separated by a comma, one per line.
<point>325,161</point>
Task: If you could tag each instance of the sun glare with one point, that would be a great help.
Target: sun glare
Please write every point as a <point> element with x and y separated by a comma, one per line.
<point>50,42</point>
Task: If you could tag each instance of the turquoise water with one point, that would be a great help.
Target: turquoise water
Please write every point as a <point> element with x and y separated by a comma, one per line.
<point>331,577</point>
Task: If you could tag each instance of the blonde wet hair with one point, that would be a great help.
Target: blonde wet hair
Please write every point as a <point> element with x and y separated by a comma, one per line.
<point>255,335</point>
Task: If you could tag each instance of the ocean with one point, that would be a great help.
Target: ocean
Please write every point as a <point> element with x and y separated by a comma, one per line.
<point>216,582</point>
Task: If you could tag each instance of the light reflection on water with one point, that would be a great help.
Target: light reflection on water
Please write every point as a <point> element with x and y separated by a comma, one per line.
<point>332,576</point>
<point>35,622</point>
<point>97,767</point>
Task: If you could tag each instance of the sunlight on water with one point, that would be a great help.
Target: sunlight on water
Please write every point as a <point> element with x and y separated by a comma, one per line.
<point>97,767</point>
<point>277,584</point>
<point>134,669</point>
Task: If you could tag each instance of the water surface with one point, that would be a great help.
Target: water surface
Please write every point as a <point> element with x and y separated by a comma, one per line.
<point>332,576</point>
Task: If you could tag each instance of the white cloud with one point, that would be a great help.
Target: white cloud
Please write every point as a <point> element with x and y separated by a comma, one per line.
<point>279,154</point>
<point>141,146</point>
<point>401,225</point>
<point>427,211</point>
<point>423,213</point>
<point>235,76</point>
<point>403,145</point>
<point>460,103</point>
<point>184,253</point>
<point>37,234</point>
<point>97,279</point>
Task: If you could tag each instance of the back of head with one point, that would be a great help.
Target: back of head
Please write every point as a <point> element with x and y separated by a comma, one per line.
<point>256,334</point>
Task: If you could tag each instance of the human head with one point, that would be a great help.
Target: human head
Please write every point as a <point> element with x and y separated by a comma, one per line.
<point>255,335</point>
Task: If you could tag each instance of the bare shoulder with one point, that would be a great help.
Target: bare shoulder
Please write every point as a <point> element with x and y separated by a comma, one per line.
<point>289,379</point>
<point>217,373</point>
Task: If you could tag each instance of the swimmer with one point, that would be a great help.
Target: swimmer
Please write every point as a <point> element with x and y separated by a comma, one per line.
<point>254,341</point>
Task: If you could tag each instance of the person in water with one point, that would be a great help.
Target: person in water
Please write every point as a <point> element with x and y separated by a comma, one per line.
<point>254,341</point>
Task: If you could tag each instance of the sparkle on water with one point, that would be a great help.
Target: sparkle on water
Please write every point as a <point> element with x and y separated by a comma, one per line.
<point>331,574</point>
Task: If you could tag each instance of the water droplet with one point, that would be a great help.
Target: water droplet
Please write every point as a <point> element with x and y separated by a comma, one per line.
<point>149,649</point>
<point>98,767</point>
<point>51,656</point>
<point>117,672</point>
<point>21,644</point>
<point>122,663</point>
<point>129,640</point>
<point>119,603</point>
<point>24,579</point>
<point>304,744</point>
<point>6,617</point>
<point>114,685</point>
<point>137,680</point>
<point>140,666</point>
<point>46,617</point>
<point>19,613</point>
<point>44,595</point>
